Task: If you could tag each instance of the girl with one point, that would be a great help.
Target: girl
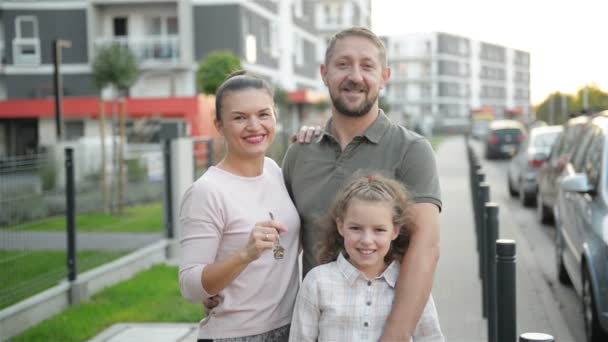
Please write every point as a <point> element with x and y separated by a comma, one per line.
<point>230,221</point>
<point>349,296</point>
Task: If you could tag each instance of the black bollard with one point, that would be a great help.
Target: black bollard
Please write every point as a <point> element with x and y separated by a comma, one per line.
<point>480,178</point>
<point>535,337</point>
<point>490,235</point>
<point>484,197</point>
<point>70,213</point>
<point>506,326</point>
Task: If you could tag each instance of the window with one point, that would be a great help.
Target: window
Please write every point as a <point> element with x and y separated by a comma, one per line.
<point>120,27</point>
<point>298,8</point>
<point>251,51</point>
<point>298,50</point>
<point>74,130</point>
<point>580,151</point>
<point>172,26</point>
<point>161,26</point>
<point>26,44</point>
<point>333,14</point>
<point>593,160</point>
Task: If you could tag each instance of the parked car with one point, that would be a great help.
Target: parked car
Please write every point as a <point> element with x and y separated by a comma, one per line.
<point>581,219</point>
<point>479,129</point>
<point>523,167</point>
<point>549,173</point>
<point>503,138</point>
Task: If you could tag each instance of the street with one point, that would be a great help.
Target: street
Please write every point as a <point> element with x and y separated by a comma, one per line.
<point>540,239</point>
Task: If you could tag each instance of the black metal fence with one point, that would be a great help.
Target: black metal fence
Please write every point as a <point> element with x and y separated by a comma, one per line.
<point>113,215</point>
<point>497,262</point>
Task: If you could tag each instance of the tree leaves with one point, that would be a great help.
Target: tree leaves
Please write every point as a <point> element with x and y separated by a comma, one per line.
<point>212,70</point>
<point>115,65</point>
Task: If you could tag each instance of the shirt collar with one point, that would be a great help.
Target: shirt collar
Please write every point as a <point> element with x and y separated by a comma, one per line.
<point>372,133</point>
<point>351,273</point>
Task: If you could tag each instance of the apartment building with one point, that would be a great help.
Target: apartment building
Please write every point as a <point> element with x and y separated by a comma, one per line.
<point>334,15</point>
<point>439,77</point>
<point>274,38</point>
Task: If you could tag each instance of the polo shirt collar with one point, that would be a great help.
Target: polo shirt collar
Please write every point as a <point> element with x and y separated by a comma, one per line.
<point>373,133</point>
<point>351,273</point>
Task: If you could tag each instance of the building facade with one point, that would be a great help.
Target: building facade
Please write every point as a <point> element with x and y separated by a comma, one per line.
<point>441,78</point>
<point>331,16</point>
<point>275,39</point>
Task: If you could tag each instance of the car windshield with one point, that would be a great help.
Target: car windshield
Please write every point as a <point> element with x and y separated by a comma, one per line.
<point>545,139</point>
<point>507,131</point>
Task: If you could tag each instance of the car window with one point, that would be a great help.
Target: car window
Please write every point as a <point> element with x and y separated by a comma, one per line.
<point>545,139</point>
<point>554,154</point>
<point>507,131</point>
<point>581,149</point>
<point>593,159</point>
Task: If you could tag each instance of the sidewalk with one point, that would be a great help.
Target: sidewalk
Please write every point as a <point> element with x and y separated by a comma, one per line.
<point>457,289</point>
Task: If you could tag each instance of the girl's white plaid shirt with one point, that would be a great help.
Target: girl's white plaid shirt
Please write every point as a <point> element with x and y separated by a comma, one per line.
<point>337,302</point>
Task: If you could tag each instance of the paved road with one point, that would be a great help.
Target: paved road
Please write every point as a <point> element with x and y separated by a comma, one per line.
<point>11,240</point>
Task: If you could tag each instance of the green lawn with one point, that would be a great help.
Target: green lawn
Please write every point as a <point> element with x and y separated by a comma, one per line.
<point>144,218</point>
<point>152,296</point>
<point>26,273</point>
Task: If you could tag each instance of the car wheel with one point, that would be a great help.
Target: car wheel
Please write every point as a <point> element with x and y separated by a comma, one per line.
<point>593,330</point>
<point>527,200</point>
<point>541,210</point>
<point>562,274</point>
<point>512,191</point>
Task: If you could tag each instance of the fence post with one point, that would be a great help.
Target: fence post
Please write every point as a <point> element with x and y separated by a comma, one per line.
<point>70,213</point>
<point>490,236</point>
<point>535,337</point>
<point>480,177</point>
<point>484,197</point>
<point>506,326</point>
<point>168,188</point>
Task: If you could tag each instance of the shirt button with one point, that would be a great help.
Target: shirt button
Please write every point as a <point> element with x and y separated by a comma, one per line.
<point>365,324</point>
<point>369,283</point>
<point>369,303</point>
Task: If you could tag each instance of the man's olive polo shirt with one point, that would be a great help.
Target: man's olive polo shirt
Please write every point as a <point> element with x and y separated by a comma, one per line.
<point>315,172</point>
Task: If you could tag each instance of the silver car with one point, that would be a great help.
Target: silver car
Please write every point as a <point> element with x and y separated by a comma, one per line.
<point>524,166</point>
<point>581,220</point>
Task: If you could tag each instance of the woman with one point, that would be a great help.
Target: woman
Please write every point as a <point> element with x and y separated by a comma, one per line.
<point>231,219</point>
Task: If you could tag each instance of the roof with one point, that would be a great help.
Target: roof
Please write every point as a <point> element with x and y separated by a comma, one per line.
<point>502,124</point>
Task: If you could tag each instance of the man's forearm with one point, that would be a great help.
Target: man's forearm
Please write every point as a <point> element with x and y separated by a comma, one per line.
<point>412,293</point>
<point>415,279</point>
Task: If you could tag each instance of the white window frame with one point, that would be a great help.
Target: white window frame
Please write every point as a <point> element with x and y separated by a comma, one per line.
<point>19,58</point>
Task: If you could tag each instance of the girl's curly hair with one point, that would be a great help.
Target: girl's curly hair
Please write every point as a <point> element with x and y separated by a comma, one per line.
<point>372,188</point>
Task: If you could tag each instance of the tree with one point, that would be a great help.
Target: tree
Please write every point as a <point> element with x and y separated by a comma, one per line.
<point>559,106</point>
<point>117,67</point>
<point>555,109</point>
<point>212,70</point>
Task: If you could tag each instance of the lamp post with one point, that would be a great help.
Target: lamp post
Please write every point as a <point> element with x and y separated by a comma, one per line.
<point>58,44</point>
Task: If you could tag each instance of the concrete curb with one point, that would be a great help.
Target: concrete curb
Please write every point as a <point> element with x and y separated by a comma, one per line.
<point>17,318</point>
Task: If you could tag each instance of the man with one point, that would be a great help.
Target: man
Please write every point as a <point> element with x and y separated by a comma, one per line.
<point>360,136</point>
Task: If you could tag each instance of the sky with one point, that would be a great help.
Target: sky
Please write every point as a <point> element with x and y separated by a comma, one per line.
<point>567,39</point>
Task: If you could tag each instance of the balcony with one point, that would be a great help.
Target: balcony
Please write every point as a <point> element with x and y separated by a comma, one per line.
<point>26,51</point>
<point>150,51</point>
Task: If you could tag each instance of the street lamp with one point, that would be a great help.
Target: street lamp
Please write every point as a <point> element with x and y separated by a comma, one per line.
<point>58,44</point>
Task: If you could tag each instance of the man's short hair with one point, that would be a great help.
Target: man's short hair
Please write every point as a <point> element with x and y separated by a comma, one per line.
<point>359,32</point>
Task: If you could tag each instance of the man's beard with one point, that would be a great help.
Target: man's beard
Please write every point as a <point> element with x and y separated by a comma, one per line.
<point>363,109</point>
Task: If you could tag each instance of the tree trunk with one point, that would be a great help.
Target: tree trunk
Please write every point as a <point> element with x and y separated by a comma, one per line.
<point>121,157</point>
<point>102,134</point>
